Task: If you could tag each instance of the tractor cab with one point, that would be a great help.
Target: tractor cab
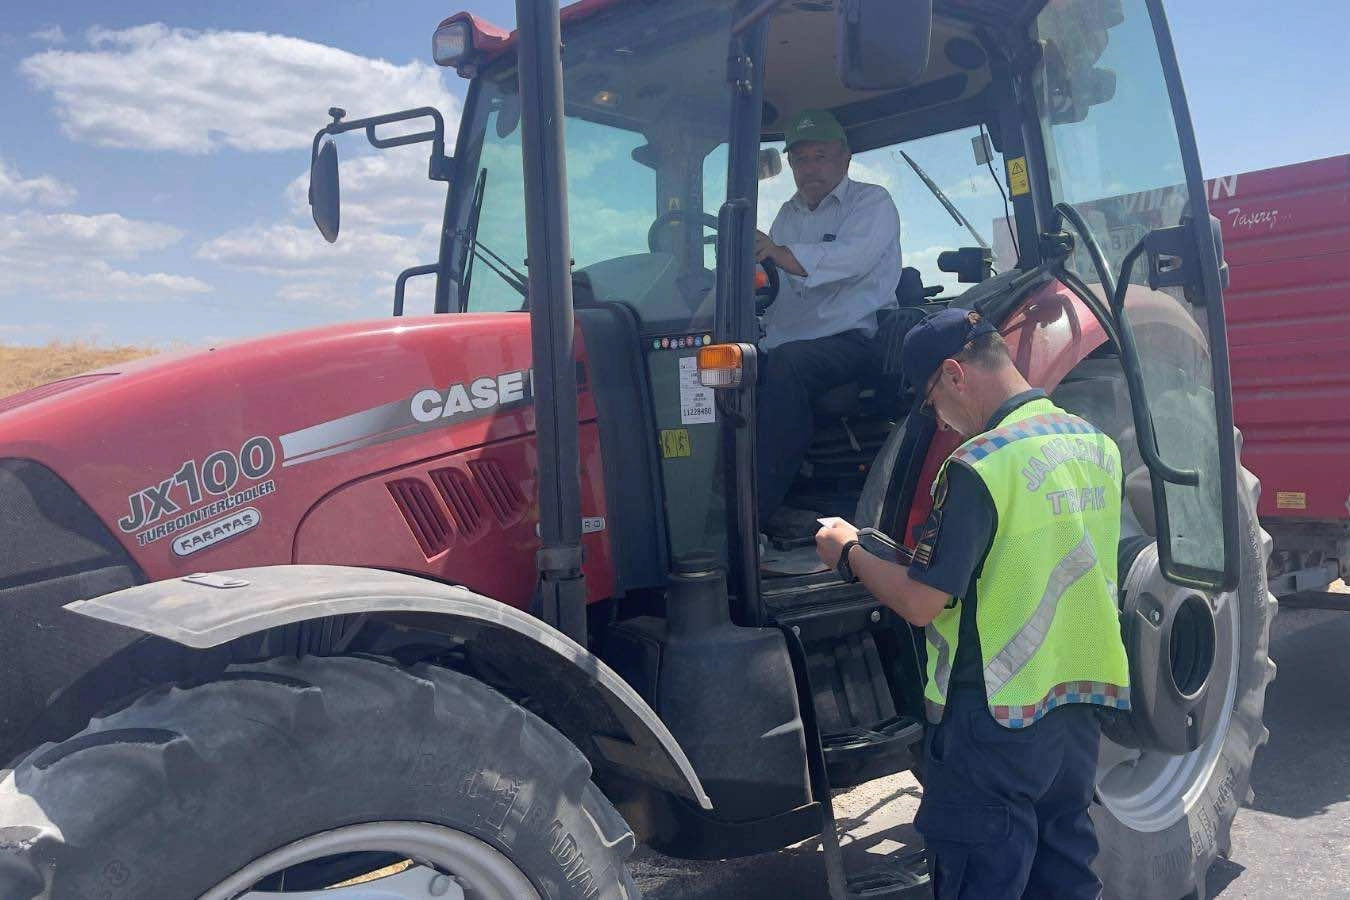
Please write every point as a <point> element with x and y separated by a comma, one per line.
<point>981,123</point>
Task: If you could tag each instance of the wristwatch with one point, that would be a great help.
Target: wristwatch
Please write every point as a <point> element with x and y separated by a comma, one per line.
<point>843,568</point>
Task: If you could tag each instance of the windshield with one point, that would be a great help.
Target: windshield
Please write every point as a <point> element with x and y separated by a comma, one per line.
<point>647,116</point>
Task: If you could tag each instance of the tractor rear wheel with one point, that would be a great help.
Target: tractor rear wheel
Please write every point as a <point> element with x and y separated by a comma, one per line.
<point>280,773</point>
<point>1163,819</point>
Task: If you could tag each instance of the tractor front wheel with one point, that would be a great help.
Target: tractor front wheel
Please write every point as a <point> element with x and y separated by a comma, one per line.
<point>288,777</point>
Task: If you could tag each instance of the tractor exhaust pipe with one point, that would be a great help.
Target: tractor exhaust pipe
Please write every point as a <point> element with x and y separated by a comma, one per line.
<point>560,597</point>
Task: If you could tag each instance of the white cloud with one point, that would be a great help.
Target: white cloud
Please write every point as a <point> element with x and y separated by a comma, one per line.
<point>876,167</point>
<point>125,283</point>
<point>158,88</point>
<point>65,256</point>
<point>290,251</point>
<point>43,190</point>
<point>53,34</point>
<point>70,235</point>
<point>973,187</point>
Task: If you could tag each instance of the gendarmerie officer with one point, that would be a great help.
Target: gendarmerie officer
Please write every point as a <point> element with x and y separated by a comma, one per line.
<point>1014,582</point>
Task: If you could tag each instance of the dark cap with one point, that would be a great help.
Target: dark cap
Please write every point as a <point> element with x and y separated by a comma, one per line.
<point>940,336</point>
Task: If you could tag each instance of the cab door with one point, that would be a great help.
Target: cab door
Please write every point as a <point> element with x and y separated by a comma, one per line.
<point>1120,151</point>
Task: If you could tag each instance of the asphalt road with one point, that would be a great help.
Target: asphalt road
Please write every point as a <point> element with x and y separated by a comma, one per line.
<point>1294,841</point>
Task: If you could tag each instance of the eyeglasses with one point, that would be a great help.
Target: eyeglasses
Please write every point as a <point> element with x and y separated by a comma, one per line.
<point>927,405</point>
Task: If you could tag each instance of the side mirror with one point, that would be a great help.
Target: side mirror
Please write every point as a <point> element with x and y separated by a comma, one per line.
<point>882,44</point>
<point>324,192</point>
<point>770,163</point>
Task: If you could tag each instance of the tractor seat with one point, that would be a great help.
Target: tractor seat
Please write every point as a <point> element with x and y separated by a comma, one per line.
<point>910,292</point>
<point>848,400</point>
<point>839,402</point>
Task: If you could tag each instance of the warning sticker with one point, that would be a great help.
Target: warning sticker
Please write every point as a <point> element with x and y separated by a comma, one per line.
<point>1291,500</point>
<point>675,443</point>
<point>696,401</point>
<point>1018,182</point>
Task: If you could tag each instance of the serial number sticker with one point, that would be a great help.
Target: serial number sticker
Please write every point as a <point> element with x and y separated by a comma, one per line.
<point>1018,181</point>
<point>675,443</point>
<point>696,398</point>
<point>1291,500</point>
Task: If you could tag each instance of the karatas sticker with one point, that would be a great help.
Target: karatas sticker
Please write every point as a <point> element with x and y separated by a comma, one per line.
<point>209,535</point>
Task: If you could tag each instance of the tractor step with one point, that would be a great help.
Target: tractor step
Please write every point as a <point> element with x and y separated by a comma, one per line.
<point>856,755</point>
<point>899,876</point>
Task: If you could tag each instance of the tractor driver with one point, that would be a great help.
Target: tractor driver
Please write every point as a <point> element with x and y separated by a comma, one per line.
<point>836,243</point>
<point>1014,580</point>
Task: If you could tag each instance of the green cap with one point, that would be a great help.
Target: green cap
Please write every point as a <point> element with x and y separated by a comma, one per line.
<point>815,125</point>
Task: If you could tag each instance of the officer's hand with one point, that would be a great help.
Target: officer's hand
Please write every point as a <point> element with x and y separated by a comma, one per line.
<point>831,538</point>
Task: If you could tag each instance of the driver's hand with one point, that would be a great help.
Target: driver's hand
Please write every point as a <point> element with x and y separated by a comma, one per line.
<point>764,246</point>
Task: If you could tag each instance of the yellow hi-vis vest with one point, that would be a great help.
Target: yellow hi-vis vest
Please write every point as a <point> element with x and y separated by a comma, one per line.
<point>1046,608</point>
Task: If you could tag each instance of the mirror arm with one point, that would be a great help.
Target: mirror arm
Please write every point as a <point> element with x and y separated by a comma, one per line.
<point>440,166</point>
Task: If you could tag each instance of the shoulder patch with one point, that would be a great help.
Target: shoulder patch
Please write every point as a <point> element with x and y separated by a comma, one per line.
<point>940,490</point>
<point>928,538</point>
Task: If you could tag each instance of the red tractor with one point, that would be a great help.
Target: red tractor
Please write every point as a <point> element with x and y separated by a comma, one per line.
<point>475,600</point>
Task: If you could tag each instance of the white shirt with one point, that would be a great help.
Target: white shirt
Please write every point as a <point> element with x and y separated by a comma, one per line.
<point>849,246</point>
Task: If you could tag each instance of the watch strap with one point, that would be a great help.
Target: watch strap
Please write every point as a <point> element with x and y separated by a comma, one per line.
<point>842,567</point>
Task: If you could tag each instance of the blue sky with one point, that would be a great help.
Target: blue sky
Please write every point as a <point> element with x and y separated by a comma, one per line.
<point>152,155</point>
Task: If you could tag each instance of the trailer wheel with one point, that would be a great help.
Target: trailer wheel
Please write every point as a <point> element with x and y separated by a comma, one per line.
<point>1162,820</point>
<point>277,774</point>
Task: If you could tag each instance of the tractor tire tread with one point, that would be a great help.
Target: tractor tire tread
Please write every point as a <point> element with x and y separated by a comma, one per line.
<point>275,750</point>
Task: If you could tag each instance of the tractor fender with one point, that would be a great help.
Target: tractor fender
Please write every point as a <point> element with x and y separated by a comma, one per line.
<point>608,720</point>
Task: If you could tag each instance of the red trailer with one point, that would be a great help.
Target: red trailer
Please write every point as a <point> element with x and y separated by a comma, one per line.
<point>1287,242</point>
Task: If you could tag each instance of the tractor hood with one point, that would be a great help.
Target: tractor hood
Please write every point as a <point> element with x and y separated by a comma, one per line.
<point>182,454</point>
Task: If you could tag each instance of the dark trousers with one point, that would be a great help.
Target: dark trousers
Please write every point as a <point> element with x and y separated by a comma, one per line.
<point>792,376</point>
<point>1005,811</point>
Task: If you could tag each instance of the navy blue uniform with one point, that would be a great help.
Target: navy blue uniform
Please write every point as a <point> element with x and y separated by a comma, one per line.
<point>1004,811</point>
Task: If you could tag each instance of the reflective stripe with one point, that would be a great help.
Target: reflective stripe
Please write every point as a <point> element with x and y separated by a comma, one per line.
<point>1023,646</point>
<point>977,448</point>
<point>942,670</point>
<point>1098,693</point>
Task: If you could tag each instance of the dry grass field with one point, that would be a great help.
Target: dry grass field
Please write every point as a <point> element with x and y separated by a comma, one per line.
<point>25,367</point>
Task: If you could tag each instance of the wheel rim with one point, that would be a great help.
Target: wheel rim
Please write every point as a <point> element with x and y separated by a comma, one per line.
<point>1151,791</point>
<point>448,865</point>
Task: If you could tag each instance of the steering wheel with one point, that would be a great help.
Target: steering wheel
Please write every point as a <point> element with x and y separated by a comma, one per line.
<point>677,215</point>
<point>767,293</point>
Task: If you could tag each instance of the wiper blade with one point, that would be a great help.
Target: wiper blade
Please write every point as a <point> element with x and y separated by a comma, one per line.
<point>512,276</point>
<point>474,250</point>
<point>942,198</point>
